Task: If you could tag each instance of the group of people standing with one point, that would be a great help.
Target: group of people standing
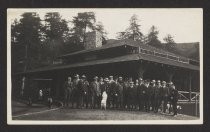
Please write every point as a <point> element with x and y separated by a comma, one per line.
<point>143,95</point>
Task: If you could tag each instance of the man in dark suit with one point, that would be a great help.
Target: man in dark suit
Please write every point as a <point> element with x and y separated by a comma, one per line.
<point>157,96</point>
<point>144,92</point>
<point>125,93</point>
<point>174,99</point>
<point>139,93</point>
<point>131,96</point>
<point>151,94</point>
<point>165,96</point>
<point>68,86</point>
<point>121,85</point>
<point>96,93</point>
<point>85,91</point>
<point>80,93</point>
<point>75,90</point>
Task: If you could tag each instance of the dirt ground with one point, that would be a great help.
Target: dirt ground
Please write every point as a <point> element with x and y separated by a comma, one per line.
<point>93,114</point>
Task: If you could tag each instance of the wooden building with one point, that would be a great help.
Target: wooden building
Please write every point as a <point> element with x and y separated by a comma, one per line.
<point>126,58</point>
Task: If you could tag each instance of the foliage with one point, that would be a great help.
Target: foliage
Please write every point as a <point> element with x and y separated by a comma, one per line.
<point>82,22</point>
<point>152,38</point>
<point>100,27</point>
<point>170,43</point>
<point>121,35</point>
<point>56,32</point>
<point>26,41</point>
<point>133,31</point>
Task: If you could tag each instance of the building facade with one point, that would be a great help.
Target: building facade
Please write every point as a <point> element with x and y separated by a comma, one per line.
<point>126,58</point>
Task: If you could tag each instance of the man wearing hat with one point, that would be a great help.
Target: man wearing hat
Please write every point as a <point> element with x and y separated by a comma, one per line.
<point>111,79</point>
<point>170,87</point>
<point>165,95</point>
<point>125,93</point>
<point>110,92</point>
<point>105,85</point>
<point>151,89</point>
<point>75,90</point>
<point>139,93</point>
<point>157,96</point>
<point>85,91</point>
<point>96,93</point>
<point>121,87</point>
<point>144,92</point>
<point>115,93</point>
<point>80,92</point>
<point>131,96</point>
<point>174,98</point>
<point>68,87</point>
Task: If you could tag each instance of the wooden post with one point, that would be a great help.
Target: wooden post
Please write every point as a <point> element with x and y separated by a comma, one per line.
<point>196,103</point>
<point>141,68</point>
<point>190,87</point>
<point>57,81</point>
<point>170,73</point>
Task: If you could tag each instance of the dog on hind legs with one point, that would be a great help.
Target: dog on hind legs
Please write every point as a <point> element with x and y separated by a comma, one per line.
<point>103,101</point>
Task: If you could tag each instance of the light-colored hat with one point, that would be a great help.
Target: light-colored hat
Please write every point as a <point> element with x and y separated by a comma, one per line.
<point>83,76</point>
<point>106,79</point>
<point>170,83</point>
<point>131,82</point>
<point>153,81</point>
<point>95,77</point>
<point>120,77</point>
<point>158,81</point>
<point>164,82</point>
<point>140,79</point>
<point>76,75</point>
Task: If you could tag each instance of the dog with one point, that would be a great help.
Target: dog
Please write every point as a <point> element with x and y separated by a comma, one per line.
<point>103,101</point>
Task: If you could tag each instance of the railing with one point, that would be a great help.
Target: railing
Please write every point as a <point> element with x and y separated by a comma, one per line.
<point>164,55</point>
<point>190,98</point>
<point>185,96</point>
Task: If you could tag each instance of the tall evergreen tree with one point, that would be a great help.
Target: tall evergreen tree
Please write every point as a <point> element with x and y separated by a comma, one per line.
<point>26,41</point>
<point>133,31</point>
<point>152,38</point>
<point>121,35</point>
<point>82,22</point>
<point>56,32</point>
<point>170,43</point>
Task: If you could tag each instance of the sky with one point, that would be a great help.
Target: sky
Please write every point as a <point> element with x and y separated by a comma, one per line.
<point>184,24</point>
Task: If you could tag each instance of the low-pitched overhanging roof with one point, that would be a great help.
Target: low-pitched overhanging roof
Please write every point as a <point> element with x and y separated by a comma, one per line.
<point>106,46</point>
<point>130,57</point>
<point>162,60</point>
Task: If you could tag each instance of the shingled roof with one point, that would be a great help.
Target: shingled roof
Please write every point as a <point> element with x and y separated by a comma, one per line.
<point>118,43</point>
<point>130,57</point>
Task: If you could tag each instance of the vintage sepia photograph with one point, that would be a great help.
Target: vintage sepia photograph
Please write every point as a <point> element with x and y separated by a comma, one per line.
<point>104,66</point>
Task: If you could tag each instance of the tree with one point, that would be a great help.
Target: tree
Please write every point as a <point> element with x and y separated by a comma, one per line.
<point>152,38</point>
<point>100,27</point>
<point>82,22</point>
<point>26,41</point>
<point>170,43</point>
<point>56,32</point>
<point>133,31</point>
<point>121,35</point>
